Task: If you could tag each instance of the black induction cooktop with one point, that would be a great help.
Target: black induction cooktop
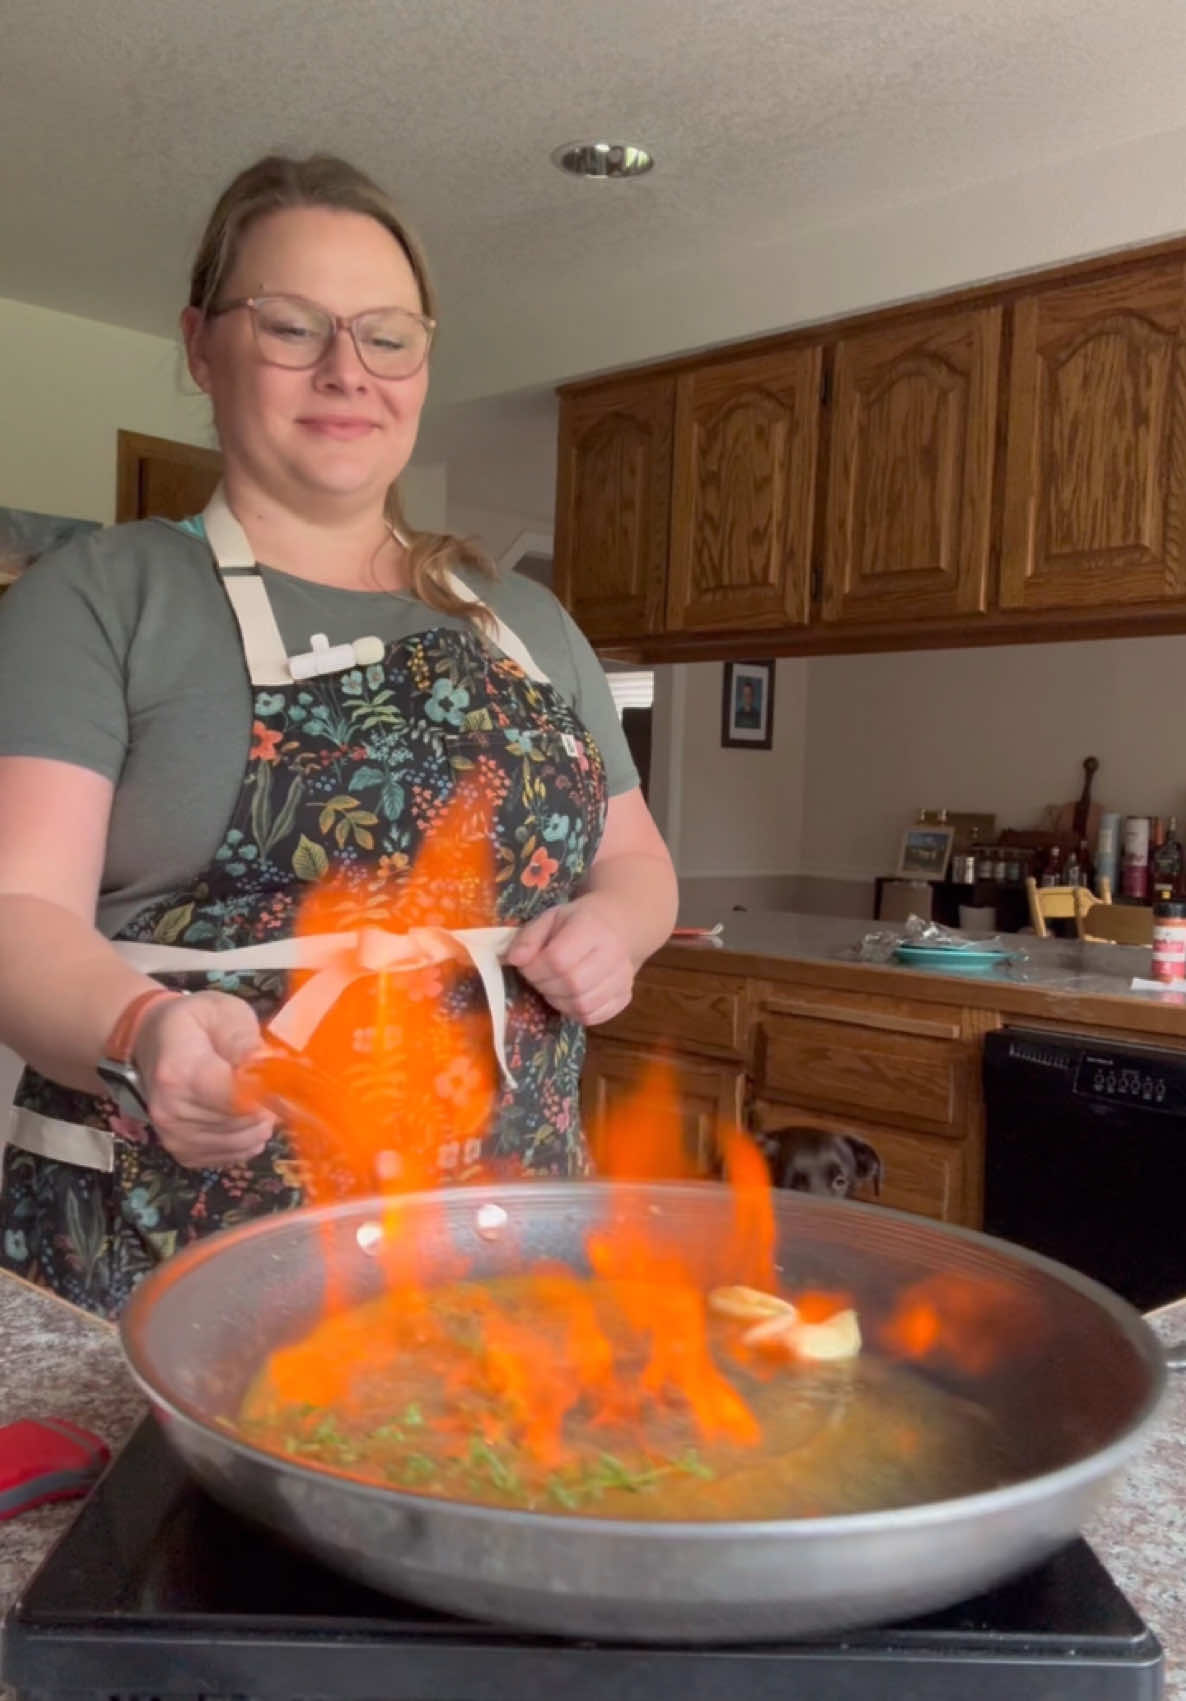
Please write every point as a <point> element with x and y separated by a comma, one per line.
<point>156,1592</point>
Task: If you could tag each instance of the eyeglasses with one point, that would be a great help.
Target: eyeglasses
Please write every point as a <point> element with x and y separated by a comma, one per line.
<point>290,331</point>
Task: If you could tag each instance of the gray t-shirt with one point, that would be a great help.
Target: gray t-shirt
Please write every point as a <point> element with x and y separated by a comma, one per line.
<point>119,653</point>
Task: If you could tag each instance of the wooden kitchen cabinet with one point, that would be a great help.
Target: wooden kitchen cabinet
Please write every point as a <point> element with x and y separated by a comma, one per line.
<point>743,492</point>
<point>899,1073</point>
<point>613,506</point>
<point>701,1012</point>
<point>1006,465</point>
<point>877,1058</point>
<point>913,435</point>
<point>1096,461</point>
<point>709,1095</point>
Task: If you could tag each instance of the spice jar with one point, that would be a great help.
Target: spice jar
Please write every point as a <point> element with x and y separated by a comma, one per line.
<point>1169,941</point>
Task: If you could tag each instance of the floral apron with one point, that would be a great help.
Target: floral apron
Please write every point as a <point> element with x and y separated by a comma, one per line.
<point>347,774</point>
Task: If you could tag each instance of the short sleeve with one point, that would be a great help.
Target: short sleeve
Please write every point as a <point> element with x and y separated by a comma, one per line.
<point>63,643</point>
<point>596,708</point>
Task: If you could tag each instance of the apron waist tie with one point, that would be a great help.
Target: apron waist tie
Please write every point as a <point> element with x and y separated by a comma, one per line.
<point>337,961</point>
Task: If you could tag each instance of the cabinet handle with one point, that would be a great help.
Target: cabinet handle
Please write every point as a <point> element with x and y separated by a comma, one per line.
<point>894,1024</point>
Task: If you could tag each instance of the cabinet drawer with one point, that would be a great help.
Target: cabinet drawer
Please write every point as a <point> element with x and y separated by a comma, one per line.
<point>886,1064</point>
<point>700,1012</point>
<point>923,1173</point>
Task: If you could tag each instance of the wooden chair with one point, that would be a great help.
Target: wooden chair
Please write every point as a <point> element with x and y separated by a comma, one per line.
<point>1049,903</point>
<point>1057,903</point>
<point>1111,924</point>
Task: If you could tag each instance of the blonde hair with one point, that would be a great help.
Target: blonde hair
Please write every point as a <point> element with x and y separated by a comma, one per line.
<point>274,184</point>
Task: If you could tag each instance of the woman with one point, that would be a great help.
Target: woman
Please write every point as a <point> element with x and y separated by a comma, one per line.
<point>170,765</point>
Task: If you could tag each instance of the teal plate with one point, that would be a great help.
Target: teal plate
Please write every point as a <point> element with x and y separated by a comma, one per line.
<point>951,961</point>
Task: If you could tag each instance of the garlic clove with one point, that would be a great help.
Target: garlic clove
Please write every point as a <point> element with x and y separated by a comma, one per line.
<point>748,1304</point>
<point>839,1337</point>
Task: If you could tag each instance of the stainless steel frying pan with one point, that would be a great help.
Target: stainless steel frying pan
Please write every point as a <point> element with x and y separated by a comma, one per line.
<point>1080,1391</point>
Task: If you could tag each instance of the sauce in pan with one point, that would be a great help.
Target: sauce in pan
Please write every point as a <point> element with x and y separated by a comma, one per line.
<point>557,1395</point>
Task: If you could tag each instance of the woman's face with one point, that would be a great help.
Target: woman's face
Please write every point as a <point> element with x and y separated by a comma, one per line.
<point>332,430</point>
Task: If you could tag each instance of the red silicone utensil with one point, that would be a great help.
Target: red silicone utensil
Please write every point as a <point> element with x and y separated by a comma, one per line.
<point>43,1459</point>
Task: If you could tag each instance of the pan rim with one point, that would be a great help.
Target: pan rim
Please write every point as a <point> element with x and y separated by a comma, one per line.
<point>1094,1467</point>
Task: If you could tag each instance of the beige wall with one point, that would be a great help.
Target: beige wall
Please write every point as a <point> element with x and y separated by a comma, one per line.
<point>494,527</point>
<point>862,741</point>
<point>740,811</point>
<point>68,386</point>
<point>1004,730</point>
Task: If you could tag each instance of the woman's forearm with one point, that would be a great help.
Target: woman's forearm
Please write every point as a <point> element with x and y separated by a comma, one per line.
<point>642,892</point>
<point>62,989</point>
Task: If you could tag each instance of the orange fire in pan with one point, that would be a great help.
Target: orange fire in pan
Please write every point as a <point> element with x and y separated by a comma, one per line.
<point>395,1096</point>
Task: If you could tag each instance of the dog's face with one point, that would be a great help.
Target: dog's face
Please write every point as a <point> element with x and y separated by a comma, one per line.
<point>808,1160</point>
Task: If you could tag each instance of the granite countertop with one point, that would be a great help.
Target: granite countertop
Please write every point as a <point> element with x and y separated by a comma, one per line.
<point>1049,971</point>
<point>54,1359</point>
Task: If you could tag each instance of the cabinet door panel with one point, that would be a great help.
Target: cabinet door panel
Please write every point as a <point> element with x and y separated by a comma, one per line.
<point>709,1096</point>
<point>613,507</point>
<point>1096,461</point>
<point>746,436</point>
<point>908,522</point>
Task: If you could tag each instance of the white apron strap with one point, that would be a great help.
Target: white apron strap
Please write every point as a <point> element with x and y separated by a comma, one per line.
<point>65,1142</point>
<point>340,959</point>
<point>263,647</point>
<point>337,959</point>
<point>267,659</point>
<point>507,641</point>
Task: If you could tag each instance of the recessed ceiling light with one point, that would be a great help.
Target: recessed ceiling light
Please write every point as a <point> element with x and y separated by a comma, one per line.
<point>602,160</point>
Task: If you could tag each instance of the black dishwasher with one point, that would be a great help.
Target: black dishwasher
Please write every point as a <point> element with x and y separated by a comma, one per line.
<point>1085,1156</point>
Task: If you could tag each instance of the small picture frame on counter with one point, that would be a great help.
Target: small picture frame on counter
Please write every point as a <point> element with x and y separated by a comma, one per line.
<point>747,705</point>
<point>925,852</point>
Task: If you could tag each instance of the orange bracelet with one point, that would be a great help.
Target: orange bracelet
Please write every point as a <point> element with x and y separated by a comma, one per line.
<point>123,1035</point>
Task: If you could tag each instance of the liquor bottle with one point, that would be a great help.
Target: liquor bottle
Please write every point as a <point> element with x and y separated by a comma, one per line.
<point>1165,859</point>
<point>1134,865</point>
<point>1107,847</point>
<point>1052,872</point>
<point>1072,873</point>
<point>1086,868</point>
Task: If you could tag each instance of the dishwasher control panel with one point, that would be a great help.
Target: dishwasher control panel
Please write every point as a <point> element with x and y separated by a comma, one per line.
<point>1128,1078</point>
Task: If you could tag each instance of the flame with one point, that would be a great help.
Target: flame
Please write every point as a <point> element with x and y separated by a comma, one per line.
<point>397,1079</point>
<point>971,1323</point>
<point>402,1068</point>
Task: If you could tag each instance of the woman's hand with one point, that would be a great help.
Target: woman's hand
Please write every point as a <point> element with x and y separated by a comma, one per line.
<point>187,1050</point>
<point>577,957</point>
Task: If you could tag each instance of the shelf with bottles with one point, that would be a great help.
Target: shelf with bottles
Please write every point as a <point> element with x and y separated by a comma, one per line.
<point>1151,859</point>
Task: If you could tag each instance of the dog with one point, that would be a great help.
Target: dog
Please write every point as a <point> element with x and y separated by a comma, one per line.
<point>809,1160</point>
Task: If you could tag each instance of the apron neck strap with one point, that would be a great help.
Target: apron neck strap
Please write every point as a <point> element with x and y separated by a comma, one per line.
<point>263,647</point>
<point>507,641</point>
<point>267,659</point>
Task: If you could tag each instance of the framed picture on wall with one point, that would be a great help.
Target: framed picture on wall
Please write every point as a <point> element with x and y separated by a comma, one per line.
<point>747,705</point>
<point>925,852</point>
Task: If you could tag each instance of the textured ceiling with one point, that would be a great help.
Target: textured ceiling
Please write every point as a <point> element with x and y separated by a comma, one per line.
<point>770,119</point>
